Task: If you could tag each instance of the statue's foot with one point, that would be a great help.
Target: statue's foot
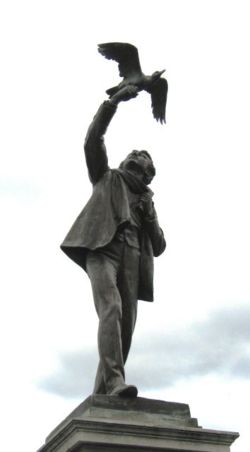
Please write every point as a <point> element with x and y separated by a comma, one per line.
<point>124,390</point>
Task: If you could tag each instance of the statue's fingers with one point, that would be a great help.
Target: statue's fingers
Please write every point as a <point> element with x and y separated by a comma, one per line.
<point>133,89</point>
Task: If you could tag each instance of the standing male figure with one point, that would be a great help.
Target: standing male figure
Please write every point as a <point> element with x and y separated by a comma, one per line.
<point>114,239</point>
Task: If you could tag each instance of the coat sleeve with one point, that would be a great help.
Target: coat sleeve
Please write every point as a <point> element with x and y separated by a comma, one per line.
<point>94,147</point>
<point>156,235</point>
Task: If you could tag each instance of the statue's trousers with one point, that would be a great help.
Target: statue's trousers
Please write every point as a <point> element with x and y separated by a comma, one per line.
<point>114,274</point>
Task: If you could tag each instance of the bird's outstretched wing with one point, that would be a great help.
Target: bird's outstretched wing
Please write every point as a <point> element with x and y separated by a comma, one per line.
<point>159,91</point>
<point>125,54</point>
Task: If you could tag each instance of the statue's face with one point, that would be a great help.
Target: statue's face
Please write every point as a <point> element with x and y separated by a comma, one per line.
<point>138,162</point>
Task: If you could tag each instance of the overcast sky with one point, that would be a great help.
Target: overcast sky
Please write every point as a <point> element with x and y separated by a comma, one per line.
<point>191,345</point>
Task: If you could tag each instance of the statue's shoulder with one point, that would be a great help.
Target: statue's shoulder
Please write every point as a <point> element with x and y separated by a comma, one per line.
<point>104,180</point>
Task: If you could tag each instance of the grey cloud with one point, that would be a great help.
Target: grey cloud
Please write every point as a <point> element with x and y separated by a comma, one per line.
<point>75,374</point>
<point>220,344</point>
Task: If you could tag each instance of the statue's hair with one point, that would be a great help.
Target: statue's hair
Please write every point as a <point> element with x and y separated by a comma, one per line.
<point>150,173</point>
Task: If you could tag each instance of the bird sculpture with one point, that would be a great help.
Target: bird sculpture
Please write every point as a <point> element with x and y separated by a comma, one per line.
<point>128,61</point>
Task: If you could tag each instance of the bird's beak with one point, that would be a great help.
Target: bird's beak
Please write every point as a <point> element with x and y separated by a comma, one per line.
<point>161,72</point>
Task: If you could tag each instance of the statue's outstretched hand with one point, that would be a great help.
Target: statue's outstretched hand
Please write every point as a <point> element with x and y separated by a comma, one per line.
<point>124,94</point>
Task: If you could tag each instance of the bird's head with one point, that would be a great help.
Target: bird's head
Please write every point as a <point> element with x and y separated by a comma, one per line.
<point>157,74</point>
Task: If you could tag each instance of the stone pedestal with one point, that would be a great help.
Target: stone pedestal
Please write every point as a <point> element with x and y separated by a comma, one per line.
<point>110,423</point>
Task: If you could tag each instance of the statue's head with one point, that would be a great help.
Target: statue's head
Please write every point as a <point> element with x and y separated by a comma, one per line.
<point>141,164</point>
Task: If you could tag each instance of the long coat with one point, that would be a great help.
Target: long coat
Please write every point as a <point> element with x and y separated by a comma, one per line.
<point>97,223</point>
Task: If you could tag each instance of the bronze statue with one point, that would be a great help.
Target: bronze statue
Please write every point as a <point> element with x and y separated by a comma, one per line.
<point>129,67</point>
<point>114,240</point>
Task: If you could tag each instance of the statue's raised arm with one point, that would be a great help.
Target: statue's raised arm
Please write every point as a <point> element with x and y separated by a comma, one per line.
<point>94,146</point>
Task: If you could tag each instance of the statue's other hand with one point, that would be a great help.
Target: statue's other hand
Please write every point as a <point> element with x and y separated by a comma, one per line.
<point>146,205</point>
<point>124,94</point>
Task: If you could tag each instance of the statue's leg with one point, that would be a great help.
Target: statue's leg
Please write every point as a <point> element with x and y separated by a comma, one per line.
<point>102,271</point>
<point>128,280</point>
<point>99,385</point>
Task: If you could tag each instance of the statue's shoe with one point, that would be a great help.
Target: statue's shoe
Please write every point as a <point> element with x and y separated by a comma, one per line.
<point>124,390</point>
